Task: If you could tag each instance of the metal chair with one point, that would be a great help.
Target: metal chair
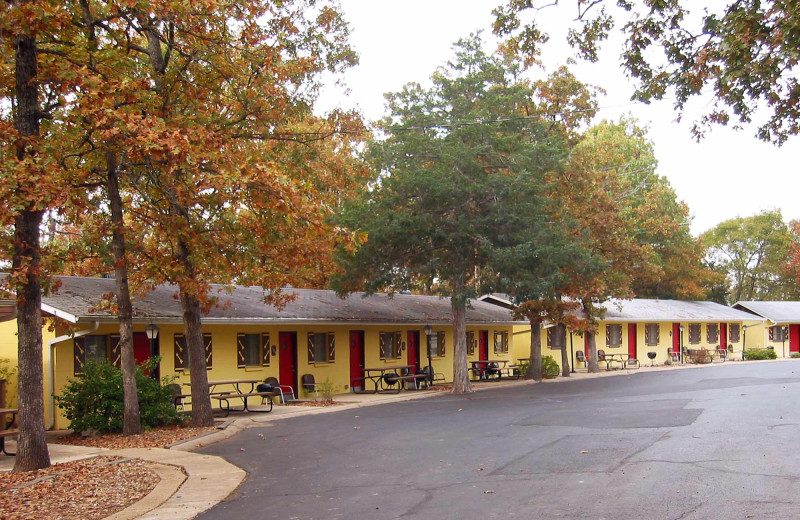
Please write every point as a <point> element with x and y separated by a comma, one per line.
<point>581,358</point>
<point>285,392</point>
<point>309,384</point>
<point>177,396</point>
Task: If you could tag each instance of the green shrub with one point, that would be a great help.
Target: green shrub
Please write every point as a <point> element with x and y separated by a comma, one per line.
<point>93,400</point>
<point>326,390</point>
<point>794,355</point>
<point>549,367</point>
<point>757,354</point>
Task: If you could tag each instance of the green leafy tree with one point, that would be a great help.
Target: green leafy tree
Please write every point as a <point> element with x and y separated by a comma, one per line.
<point>461,168</point>
<point>752,253</point>
<point>744,51</point>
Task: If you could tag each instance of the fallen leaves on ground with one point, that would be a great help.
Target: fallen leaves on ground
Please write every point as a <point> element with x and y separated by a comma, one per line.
<point>87,489</point>
<point>156,438</point>
<point>90,488</point>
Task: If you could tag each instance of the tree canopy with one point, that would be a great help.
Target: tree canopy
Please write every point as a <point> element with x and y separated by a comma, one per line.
<point>743,51</point>
<point>460,170</point>
<point>751,253</point>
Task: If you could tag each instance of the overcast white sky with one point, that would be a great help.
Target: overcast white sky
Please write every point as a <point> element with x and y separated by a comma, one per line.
<point>727,174</point>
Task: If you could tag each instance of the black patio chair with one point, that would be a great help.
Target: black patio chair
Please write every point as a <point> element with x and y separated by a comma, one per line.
<point>285,392</point>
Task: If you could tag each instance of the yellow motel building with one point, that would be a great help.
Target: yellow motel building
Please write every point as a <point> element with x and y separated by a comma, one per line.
<point>641,328</point>
<point>780,330</point>
<point>316,333</point>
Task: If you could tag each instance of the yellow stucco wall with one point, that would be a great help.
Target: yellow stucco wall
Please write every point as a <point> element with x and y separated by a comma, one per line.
<point>522,342</point>
<point>224,357</point>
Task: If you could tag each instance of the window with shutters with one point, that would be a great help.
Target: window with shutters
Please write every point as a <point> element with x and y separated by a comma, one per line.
<point>777,333</point>
<point>556,338</point>
<point>712,333</point>
<point>252,350</point>
<point>734,333</point>
<point>90,348</point>
<point>500,342</point>
<point>321,347</point>
<point>652,332</point>
<point>613,335</point>
<point>436,344</point>
<point>390,344</point>
<point>694,333</point>
<point>181,352</point>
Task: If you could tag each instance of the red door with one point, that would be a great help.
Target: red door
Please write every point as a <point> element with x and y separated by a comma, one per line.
<point>412,348</point>
<point>356,357</point>
<point>586,345</point>
<point>632,341</point>
<point>676,338</point>
<point>794,338</point>
<point>287,359</point>
<point>723,335</point>
<point>141,347</point>
<point>483,345</point>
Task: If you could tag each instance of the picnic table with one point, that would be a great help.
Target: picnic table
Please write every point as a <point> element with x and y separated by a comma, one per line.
<point>237,392</point>
<point>387,376</point>
<point>619,357</point>
<point>485,368</point>
<point>7,431</point>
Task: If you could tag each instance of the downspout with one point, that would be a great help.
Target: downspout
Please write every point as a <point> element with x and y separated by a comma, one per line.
<point>52,376</point>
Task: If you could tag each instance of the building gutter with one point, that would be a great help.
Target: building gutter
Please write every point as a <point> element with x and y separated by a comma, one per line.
<point>52,376</point>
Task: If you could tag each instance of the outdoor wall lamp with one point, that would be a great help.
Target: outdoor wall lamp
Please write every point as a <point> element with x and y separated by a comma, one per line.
<point>152,333</point>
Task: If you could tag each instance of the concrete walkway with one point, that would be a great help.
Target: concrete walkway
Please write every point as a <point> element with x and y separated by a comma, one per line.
<point>184,491</point>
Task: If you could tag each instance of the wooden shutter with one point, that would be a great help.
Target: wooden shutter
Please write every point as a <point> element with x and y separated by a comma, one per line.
<point>470,343</point>
<point>647,336</point>
<point>397,344</point>
<point>79,355</point>
<point>265,350</point>
<point>115,351</point>
<point>497,341</point>
<point>550,337</point>
<point>310,347</point>
<point>382,344</point>
<point>331,347</point>
<point>241,350</point>
<point>441,343</point>
<point>179,350</point>
<point>505,342</point>
<point>207,343</point>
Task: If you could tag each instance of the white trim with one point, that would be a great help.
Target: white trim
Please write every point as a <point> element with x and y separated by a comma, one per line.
<point>59,313</point>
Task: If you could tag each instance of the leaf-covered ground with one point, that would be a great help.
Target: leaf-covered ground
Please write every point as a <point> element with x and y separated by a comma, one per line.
<point>88,489</point>
<point>91,488</point>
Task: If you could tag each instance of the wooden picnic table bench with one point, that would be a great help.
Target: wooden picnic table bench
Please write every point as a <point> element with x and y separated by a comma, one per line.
<point>416,378</point>
<point>225,397</point>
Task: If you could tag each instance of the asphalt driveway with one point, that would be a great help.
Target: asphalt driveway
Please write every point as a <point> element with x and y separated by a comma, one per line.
<point>712,443</point>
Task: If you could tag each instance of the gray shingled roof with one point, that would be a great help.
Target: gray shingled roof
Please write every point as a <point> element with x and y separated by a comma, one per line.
<point>642,310</point>
<point>776,312</point>
<point>78,298</point>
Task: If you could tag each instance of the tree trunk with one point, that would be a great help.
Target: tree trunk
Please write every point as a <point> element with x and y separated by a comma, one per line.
<point>535,366</point>
<point>565,362</point>
<point>131,424</point>
<point>201,401</point>
<point>594,367</point>
<point>461,384</point>
<point>32,453</point>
